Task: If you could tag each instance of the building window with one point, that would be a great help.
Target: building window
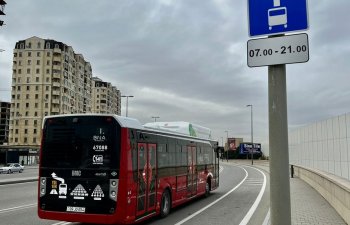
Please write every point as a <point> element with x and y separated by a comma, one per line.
<point>26,131</point>
<point>27,105</point>
<point>21,46</point>
<point>14,54</point>
<point>36,105</point>
<point>46,105</point>
<point>35,122</point>
<point>34,131</point>
<point>16,131</point>
<point>27,113</point>
<point>47,88</point>
<point>28,80</point>
<point>29,62</point>
<point>34,140</point>
<point>35,113</point>
<point>27,96</point>
<point>18,96</point>
<point>37,71</point>
<point>47,71</point>
<point>36,79</point>
<point>29,54</point>
<point>26,122</point>
<point>29,45</point>
<point>28,88</point>
<point>38,61</point>
<point>16,139</point>
<point>28,71</point>
<point>36,96</point>
<point>20,62</point>
<point>25,140</point>
<point>20,54</point>
<point>19,71</point>
<point>57,46</point>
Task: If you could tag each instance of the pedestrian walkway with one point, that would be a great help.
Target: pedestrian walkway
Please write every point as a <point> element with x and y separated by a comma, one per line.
<point>308,207</point>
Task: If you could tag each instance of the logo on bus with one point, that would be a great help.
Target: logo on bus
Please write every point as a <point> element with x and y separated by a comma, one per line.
<point>97,159</point>
<point>99,138</point>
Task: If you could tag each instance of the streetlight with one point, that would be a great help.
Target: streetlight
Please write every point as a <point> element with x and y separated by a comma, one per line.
<point>227,145</point>
<point>155,118</point>
<point>251,129</point>
<point>127,102</point>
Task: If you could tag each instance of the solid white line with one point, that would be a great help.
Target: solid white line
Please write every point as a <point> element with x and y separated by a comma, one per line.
<point>267,218</point>
<point>216,201</point>
<point>251,211</point>
<point>62,223</point>
<point>17,208</point>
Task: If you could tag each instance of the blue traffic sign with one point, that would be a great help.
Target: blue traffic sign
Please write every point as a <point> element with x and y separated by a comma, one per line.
<point>269,17</point>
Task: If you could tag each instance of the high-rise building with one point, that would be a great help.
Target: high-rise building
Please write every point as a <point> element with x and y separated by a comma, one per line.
<point>48,79</point>
<point>105,97</point>
<point>4,121</point>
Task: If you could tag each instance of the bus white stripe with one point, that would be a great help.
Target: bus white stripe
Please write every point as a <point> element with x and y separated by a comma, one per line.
<point>216,201</point>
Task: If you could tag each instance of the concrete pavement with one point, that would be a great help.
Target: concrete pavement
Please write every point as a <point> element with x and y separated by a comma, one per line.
<point>307,205</point>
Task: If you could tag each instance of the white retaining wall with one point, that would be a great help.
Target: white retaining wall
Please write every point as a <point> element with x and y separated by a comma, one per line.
<point>324,145</point>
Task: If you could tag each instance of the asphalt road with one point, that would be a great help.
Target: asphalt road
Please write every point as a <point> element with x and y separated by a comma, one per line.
<point>235,202</point>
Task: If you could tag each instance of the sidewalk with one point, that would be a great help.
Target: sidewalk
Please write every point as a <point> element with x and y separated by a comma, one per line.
<point>307,205</point>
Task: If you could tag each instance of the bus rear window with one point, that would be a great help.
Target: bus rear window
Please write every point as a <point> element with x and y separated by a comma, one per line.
<point>81,142</point>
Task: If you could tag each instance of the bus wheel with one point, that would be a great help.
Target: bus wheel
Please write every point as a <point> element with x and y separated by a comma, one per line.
<point>165,204</point>
<point>207,188</point>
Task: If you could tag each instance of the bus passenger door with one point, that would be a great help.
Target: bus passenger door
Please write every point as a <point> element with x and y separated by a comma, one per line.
<point>146,191</point>
<point>191,171</point>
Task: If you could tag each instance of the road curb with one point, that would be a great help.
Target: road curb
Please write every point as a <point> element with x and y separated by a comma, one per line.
<point>31,179</point>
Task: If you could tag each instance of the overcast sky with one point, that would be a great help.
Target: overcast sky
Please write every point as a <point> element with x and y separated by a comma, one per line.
<point>185,60</point>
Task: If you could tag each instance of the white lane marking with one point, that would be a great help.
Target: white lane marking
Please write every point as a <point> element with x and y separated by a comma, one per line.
<point>62,223</point>
<point>216,201</point>
<point>267,218</point>
<point>221,169</point>
<point>257,201</point>
<point>17,208</point>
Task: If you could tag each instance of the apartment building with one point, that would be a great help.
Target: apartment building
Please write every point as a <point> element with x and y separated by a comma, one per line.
<point>105,97</point>
<point>4,121</point>
<point>49,78</point>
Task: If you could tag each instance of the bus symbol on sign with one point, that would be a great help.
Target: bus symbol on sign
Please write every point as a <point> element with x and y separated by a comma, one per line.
<point>270,17</point>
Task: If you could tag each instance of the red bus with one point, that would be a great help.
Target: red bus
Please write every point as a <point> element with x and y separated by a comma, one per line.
<point>110,169</point>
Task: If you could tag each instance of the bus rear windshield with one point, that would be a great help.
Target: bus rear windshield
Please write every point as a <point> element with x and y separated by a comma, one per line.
<point>81,142</point>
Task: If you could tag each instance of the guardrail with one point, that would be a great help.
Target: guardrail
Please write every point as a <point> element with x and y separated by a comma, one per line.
<point>335,190</point>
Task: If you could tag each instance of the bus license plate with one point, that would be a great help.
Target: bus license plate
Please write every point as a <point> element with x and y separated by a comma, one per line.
<point>75,209</point>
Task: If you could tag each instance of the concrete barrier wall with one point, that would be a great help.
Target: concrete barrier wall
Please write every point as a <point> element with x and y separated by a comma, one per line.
<point>323,145</point>
<point>334,189</point>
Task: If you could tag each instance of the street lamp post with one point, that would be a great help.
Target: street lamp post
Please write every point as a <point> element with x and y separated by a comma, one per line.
<point>127,102</point>
<point>251,130</point>
<point>227,145</point>
<point>155,118</point>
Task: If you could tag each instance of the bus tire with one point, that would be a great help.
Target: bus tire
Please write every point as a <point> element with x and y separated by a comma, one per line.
<point>165,204</point>
<point>207,188</point>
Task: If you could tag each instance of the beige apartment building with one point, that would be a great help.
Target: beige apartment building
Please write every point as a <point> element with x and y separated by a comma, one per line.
<point>48,79</point>
<point>105,97</point>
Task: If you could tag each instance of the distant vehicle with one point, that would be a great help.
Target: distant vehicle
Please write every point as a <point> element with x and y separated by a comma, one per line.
<point>12,167</point>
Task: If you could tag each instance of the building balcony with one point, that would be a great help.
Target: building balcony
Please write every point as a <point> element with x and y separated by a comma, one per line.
<point>55,93</point>
<point>56,75</point>
<point>55,109</point>
<point>56,84</point>
<point>57,59</point>
<point>57,51</point>
<point>56,67</point>
<point>55,101</point>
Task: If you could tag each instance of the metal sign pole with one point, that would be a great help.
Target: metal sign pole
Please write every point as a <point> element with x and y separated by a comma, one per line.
<point>278,139</point>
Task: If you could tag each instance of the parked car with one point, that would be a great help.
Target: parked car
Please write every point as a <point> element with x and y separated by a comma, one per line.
<point>12,167</point>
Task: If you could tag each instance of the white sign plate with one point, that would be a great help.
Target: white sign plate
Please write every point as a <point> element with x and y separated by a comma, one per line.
<point>278,50</point>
